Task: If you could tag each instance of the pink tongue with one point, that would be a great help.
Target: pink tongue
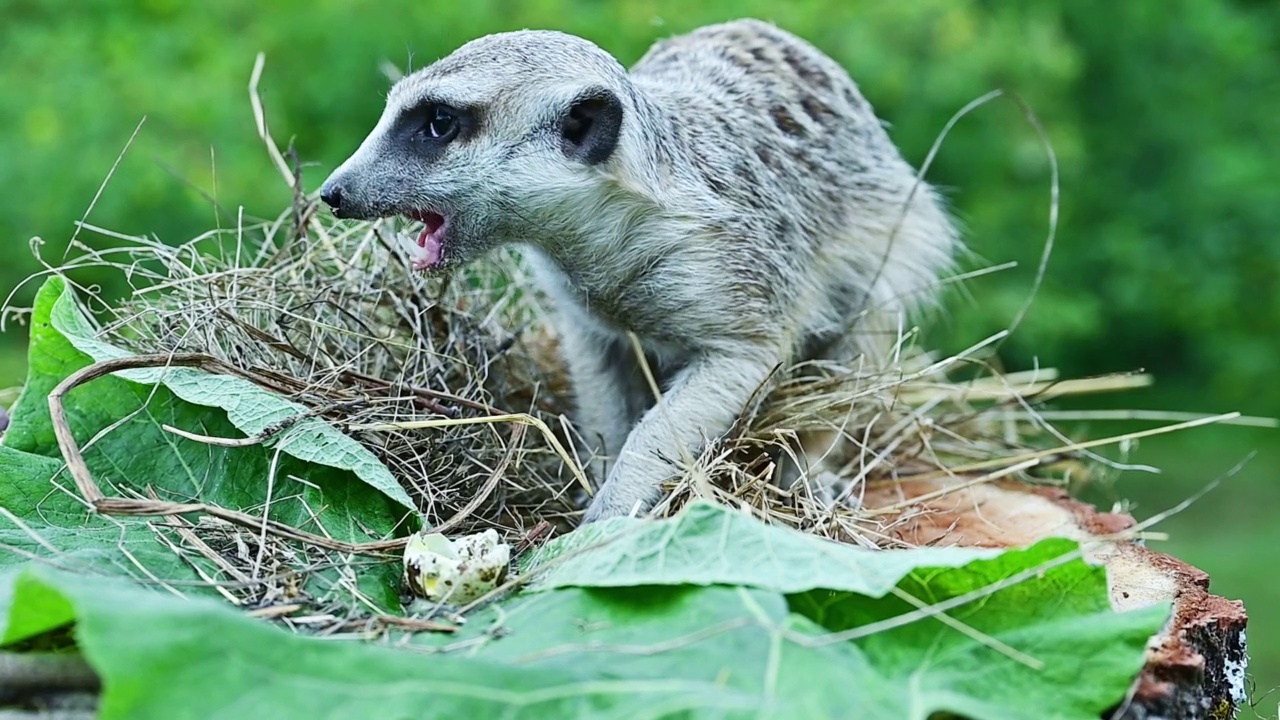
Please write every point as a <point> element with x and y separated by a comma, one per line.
<point>430,240</point>
<point>431,243</point>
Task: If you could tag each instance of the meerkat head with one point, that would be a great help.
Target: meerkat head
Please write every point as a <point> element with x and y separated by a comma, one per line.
<point>504,140</point>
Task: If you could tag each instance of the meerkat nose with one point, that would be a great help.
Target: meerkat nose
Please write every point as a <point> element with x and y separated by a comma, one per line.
<point>331,194</point>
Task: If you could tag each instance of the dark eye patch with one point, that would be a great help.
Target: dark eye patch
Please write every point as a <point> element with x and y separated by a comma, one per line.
<point>433,124</point>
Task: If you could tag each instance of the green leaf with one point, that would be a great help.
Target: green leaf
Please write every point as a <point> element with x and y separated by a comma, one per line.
<point>730,640</point>
<point>136,453</point>
<point>27,486</point>
<point>30,608</point>
<point>1070,645</point>
<point>44,524</point>
<point>1051,636</point>
<point>139,453</point>
<point>709,543</point>
<point>43,521</point>
<point>166,658</point>
<point>60,325</point>
<point>707,650</point>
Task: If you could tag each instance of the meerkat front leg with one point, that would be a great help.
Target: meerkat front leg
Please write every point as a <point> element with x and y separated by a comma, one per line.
<point>702,403</point>
<point>605,390</point>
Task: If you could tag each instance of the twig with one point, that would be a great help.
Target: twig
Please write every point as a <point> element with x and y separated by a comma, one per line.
<point>26,674</point>
<point>62,429</point>
<point>93,495</point>
<point>1055,452</point>
<point>522,418</point>
<point>517,436</point>
<point>260,119</point>
<point>98,195</point>
<point>414,624</point>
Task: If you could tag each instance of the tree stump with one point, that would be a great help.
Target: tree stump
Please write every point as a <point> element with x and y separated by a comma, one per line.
<point>1195,667</point>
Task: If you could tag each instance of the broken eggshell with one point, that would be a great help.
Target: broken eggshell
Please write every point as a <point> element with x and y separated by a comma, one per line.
<point>455,571</point>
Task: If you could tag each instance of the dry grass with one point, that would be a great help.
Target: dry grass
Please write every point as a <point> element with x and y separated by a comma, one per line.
<point>333,318</point>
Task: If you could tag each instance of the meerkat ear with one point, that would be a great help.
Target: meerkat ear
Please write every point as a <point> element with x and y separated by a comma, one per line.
<point>589,129</point>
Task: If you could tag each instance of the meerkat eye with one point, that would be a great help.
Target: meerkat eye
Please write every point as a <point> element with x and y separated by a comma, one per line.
<point>442,123</point>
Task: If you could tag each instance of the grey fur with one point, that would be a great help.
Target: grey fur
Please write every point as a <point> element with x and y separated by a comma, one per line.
<point>751,215</point>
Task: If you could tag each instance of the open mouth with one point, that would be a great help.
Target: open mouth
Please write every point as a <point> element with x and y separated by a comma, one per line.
<point>430,244</point>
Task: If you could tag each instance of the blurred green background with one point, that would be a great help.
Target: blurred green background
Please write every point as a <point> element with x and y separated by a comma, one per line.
<point>1163,115</point>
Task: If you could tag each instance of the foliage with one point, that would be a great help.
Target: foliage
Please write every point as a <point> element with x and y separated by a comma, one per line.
<point>1164,118</point>
<point>723,651</point>
<point>65,336</point>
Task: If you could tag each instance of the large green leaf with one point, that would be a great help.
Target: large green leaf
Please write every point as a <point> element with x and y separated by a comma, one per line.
<point>59,328</point>
<point>45,524</point>
<point>139,453</point>
<point>730,640</point>
<point>599,650</point>
<point>136,453</point>
<point>1052,635</point>
<point>650,598</point>
<point>31,484</point>
<point>166,658</point>
<point>709,543</point>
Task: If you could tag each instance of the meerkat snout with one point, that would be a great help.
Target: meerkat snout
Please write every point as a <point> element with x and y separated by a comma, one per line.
<point>331,194</point>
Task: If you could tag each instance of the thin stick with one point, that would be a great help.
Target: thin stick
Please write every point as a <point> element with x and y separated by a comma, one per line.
<point>522,418</point>
<point>98,195</point>
<point>62,429</point>
<point>517,436</point>
<point>260,119</point>
<point>971,632</point>
<point>1054,192</point>
<point>1046,390</point>
<point>1053,452</point>
<point>943,492</point>
<point>1123,415</point>
<point>37,537</point>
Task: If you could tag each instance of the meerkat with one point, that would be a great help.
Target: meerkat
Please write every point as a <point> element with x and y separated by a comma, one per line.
<point>732,202</point>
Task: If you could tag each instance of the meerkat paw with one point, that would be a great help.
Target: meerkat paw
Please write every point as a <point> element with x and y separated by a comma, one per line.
<point>620,500</point>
